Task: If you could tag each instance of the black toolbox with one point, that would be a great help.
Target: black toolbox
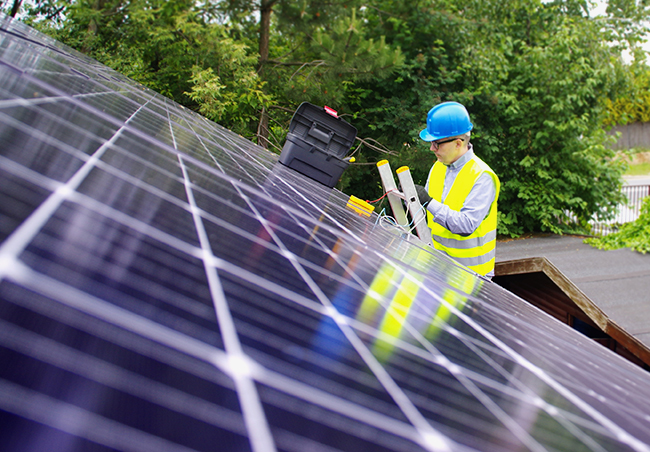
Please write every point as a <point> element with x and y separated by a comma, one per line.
<point>317,143</point>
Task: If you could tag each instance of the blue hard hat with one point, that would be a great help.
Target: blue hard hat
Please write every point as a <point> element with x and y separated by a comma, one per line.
<point>447,119</point>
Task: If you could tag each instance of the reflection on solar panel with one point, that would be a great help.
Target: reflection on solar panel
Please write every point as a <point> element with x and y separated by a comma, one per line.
<point>166,285</point>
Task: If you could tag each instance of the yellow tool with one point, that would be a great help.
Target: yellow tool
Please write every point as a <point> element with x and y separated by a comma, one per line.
<point>360,206</point>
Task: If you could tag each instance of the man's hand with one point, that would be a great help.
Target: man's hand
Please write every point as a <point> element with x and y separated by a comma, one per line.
<point>422,194</point>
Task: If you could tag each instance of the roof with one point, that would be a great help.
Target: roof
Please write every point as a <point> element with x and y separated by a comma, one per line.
<point>610,286</point>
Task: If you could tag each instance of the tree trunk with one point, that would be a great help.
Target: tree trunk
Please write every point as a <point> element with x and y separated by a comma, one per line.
<point>266,8</point>
<point>16,8</point>
<point>92,28</point>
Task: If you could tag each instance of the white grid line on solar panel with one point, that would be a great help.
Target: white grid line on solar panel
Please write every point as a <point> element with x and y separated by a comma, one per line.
<point>430,438</point>
<point>242,367</point>
<point>555,363</point>
<point>77,362</point>
<point>146,328</point>
<point>544,375</point>
<point>82,423</point>
<point>15,244</point>
<point>103,115</point>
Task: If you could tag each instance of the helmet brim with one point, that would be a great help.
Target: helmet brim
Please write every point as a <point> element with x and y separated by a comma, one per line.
<point>426,136</point>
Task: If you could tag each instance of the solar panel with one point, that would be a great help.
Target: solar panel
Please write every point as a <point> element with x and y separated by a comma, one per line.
<point>167,285</point>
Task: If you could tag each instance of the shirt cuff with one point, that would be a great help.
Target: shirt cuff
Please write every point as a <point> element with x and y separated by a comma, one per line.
<point>434,207</point>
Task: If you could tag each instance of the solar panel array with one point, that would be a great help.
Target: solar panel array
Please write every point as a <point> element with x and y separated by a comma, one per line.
<point>167,285</point>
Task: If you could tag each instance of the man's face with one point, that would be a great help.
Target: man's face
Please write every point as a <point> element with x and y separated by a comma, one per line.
<point>448,150</point>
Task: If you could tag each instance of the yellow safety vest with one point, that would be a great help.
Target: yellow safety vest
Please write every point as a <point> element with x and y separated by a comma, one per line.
<point>476,251</point>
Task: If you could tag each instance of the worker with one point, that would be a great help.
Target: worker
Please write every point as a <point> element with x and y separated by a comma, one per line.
<point>461,191</point>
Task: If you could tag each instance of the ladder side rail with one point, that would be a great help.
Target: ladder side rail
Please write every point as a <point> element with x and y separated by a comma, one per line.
<point>388,183</point>
<point>418,214</point>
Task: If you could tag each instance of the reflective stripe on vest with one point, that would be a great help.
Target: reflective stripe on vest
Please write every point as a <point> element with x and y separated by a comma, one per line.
<point>476,251</point>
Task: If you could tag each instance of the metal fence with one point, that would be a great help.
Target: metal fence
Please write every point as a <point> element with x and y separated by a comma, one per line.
<point>626,212</point>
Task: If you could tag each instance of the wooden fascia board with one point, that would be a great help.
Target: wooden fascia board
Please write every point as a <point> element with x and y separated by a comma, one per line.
<point>541,264</point>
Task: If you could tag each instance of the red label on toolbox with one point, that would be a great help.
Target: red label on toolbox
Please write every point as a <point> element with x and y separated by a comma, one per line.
<point>331,111</point>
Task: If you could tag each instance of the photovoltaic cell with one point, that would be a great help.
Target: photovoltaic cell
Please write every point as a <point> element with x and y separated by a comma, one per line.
<point>167,285</point>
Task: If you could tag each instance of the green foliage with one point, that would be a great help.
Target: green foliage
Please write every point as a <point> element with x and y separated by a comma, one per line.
<point>175,48</point>
<point>534,77</point>
<point>634,235</point>
<point>634,105</point>
<point>236,95</point>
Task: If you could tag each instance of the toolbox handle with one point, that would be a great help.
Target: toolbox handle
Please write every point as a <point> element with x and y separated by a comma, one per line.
<point>320,134</point>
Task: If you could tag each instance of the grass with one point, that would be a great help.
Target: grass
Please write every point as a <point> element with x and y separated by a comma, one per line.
<point>639,169</point>
<point>639,162</point>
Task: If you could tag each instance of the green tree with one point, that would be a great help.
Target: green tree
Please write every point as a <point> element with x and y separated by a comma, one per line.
<point>174,47</point>
<point>309,51</point>
<point>634,103</point>
<point>534,77</point>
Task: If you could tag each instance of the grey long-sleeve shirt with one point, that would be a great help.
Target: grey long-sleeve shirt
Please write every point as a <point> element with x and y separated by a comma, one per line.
<point>476,206</point>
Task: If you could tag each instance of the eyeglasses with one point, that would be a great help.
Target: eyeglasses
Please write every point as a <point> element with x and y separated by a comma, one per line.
<point>436,144</point>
